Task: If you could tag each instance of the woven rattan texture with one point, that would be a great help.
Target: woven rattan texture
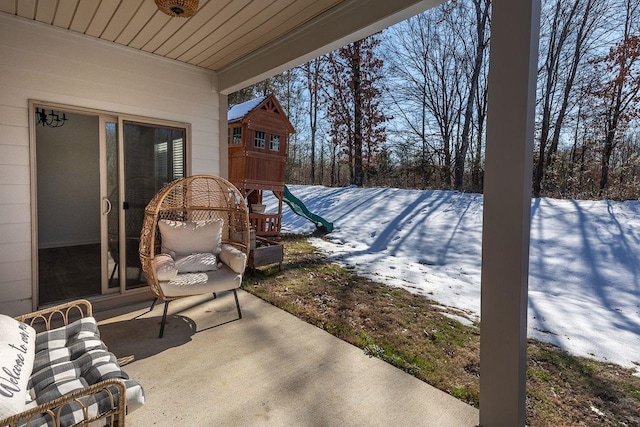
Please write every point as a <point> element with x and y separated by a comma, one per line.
<point>195,198</point>
<point>45,320</point>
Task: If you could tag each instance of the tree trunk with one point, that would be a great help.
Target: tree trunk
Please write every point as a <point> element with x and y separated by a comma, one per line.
<point>607,149</point>
<point>587,24</point>
<point>312,86</point>
<point>482,16</point>
<point>358,172</point>
<point>559,33</point>
<point>333,164</point>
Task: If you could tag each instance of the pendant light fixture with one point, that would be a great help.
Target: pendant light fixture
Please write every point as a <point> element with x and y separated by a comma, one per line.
<point>179,8</point>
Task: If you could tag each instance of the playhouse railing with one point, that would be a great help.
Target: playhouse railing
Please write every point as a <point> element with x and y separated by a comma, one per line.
<point>266,225</point>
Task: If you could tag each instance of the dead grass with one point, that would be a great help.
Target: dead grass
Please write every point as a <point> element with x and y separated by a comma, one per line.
<point>412,333</point>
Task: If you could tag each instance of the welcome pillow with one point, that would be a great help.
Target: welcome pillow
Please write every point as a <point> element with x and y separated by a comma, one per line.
<point>190,237</point>
<point>17,352</point>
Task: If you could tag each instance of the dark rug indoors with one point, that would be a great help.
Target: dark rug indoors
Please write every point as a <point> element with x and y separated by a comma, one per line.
<point>69,272</point>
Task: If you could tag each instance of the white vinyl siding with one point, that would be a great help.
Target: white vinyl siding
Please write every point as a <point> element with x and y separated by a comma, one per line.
<point>47,64</point>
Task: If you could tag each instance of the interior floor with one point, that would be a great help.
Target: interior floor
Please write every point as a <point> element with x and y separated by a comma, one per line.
<point>72,272</point>
<point>69,272</point>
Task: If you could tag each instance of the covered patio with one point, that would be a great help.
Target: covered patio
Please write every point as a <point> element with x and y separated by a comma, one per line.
<point>269,368</point>
<point>123,62</point>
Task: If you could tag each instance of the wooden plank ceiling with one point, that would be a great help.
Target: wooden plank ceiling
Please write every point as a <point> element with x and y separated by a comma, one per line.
<point>221,31</point>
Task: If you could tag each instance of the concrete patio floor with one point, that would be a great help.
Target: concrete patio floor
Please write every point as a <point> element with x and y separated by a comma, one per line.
<point>267,369</point>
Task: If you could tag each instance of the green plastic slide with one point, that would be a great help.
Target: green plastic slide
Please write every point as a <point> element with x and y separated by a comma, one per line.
<point>299,208</point>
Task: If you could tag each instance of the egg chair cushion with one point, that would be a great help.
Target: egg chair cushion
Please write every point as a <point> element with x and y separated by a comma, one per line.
<point>190,237</point>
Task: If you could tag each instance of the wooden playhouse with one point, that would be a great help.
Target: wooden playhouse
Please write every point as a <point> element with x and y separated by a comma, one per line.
<point>258,136</point>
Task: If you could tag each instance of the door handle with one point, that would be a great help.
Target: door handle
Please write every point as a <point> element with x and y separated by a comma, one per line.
<point>108,205</point>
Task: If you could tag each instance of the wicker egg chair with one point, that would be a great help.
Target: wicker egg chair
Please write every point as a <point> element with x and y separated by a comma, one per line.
<point>195,199</point>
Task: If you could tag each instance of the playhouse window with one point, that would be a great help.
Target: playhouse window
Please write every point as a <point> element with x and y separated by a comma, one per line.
<point>259,139</point>
<point>274,145</point>
<point>236,137</point>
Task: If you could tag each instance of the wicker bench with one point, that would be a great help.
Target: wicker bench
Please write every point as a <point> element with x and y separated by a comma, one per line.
<point>63,375</point>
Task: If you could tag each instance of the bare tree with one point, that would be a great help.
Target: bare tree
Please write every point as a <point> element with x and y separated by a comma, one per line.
<point>477,160</point>
<point>426,85</point>
<point>621,88</point>
<point>475,55</point>
<point>569,30</point>
<point>313,69</point>
<point>407,54</point>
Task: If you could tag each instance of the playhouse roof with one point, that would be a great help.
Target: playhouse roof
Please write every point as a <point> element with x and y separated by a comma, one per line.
<point>241,111</point>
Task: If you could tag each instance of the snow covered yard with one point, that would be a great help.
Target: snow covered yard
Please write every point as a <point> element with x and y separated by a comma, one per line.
<point>584,275</point>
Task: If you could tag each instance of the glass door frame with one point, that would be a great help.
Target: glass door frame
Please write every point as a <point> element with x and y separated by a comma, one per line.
<point>104,117</point>
<point>107,205</point>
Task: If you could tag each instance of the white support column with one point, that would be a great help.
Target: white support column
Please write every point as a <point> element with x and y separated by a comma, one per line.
<point>223,106</point>
<point>507,208</point>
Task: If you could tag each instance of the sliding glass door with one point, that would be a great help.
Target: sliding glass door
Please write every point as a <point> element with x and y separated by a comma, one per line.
<point>95,176</point>
<point>153,156</point>
<point>69,208</point>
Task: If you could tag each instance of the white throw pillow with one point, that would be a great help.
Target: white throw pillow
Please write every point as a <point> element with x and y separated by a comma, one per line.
<point>196,263</point>
<point>165,267</point>
<point>17,353</point>
<point>235,259</point>
<point>191,237</point>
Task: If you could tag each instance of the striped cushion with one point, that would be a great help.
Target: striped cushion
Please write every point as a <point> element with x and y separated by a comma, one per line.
<point>70,358</point>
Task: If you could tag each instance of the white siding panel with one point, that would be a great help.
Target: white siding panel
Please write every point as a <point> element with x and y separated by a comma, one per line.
<point>16,306</point>
<point>14,155</point>
<point>15,233</point>
<point>70,62</point>
<point>14,135</point>
<point>12,252</point>
<point>15,194</point>
<point>16,290</point>
<point>14,97</point>
<point>204,152</point>
<point>12,116</point>
<point>15,213</point>
<point>10,174</point>
<point>47,64</point>
<point>111,90</point>
<point>200,166</point>
<point>14,271</point>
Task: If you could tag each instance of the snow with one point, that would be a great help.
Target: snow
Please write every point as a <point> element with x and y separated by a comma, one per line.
<point>584,265</point>
<point>238,111</point>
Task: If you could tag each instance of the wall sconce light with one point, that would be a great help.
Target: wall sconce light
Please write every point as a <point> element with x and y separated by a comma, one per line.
<point>53,119</point>
<point>179,8</point>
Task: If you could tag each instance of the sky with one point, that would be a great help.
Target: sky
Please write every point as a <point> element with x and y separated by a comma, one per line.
<point>584,264</point>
